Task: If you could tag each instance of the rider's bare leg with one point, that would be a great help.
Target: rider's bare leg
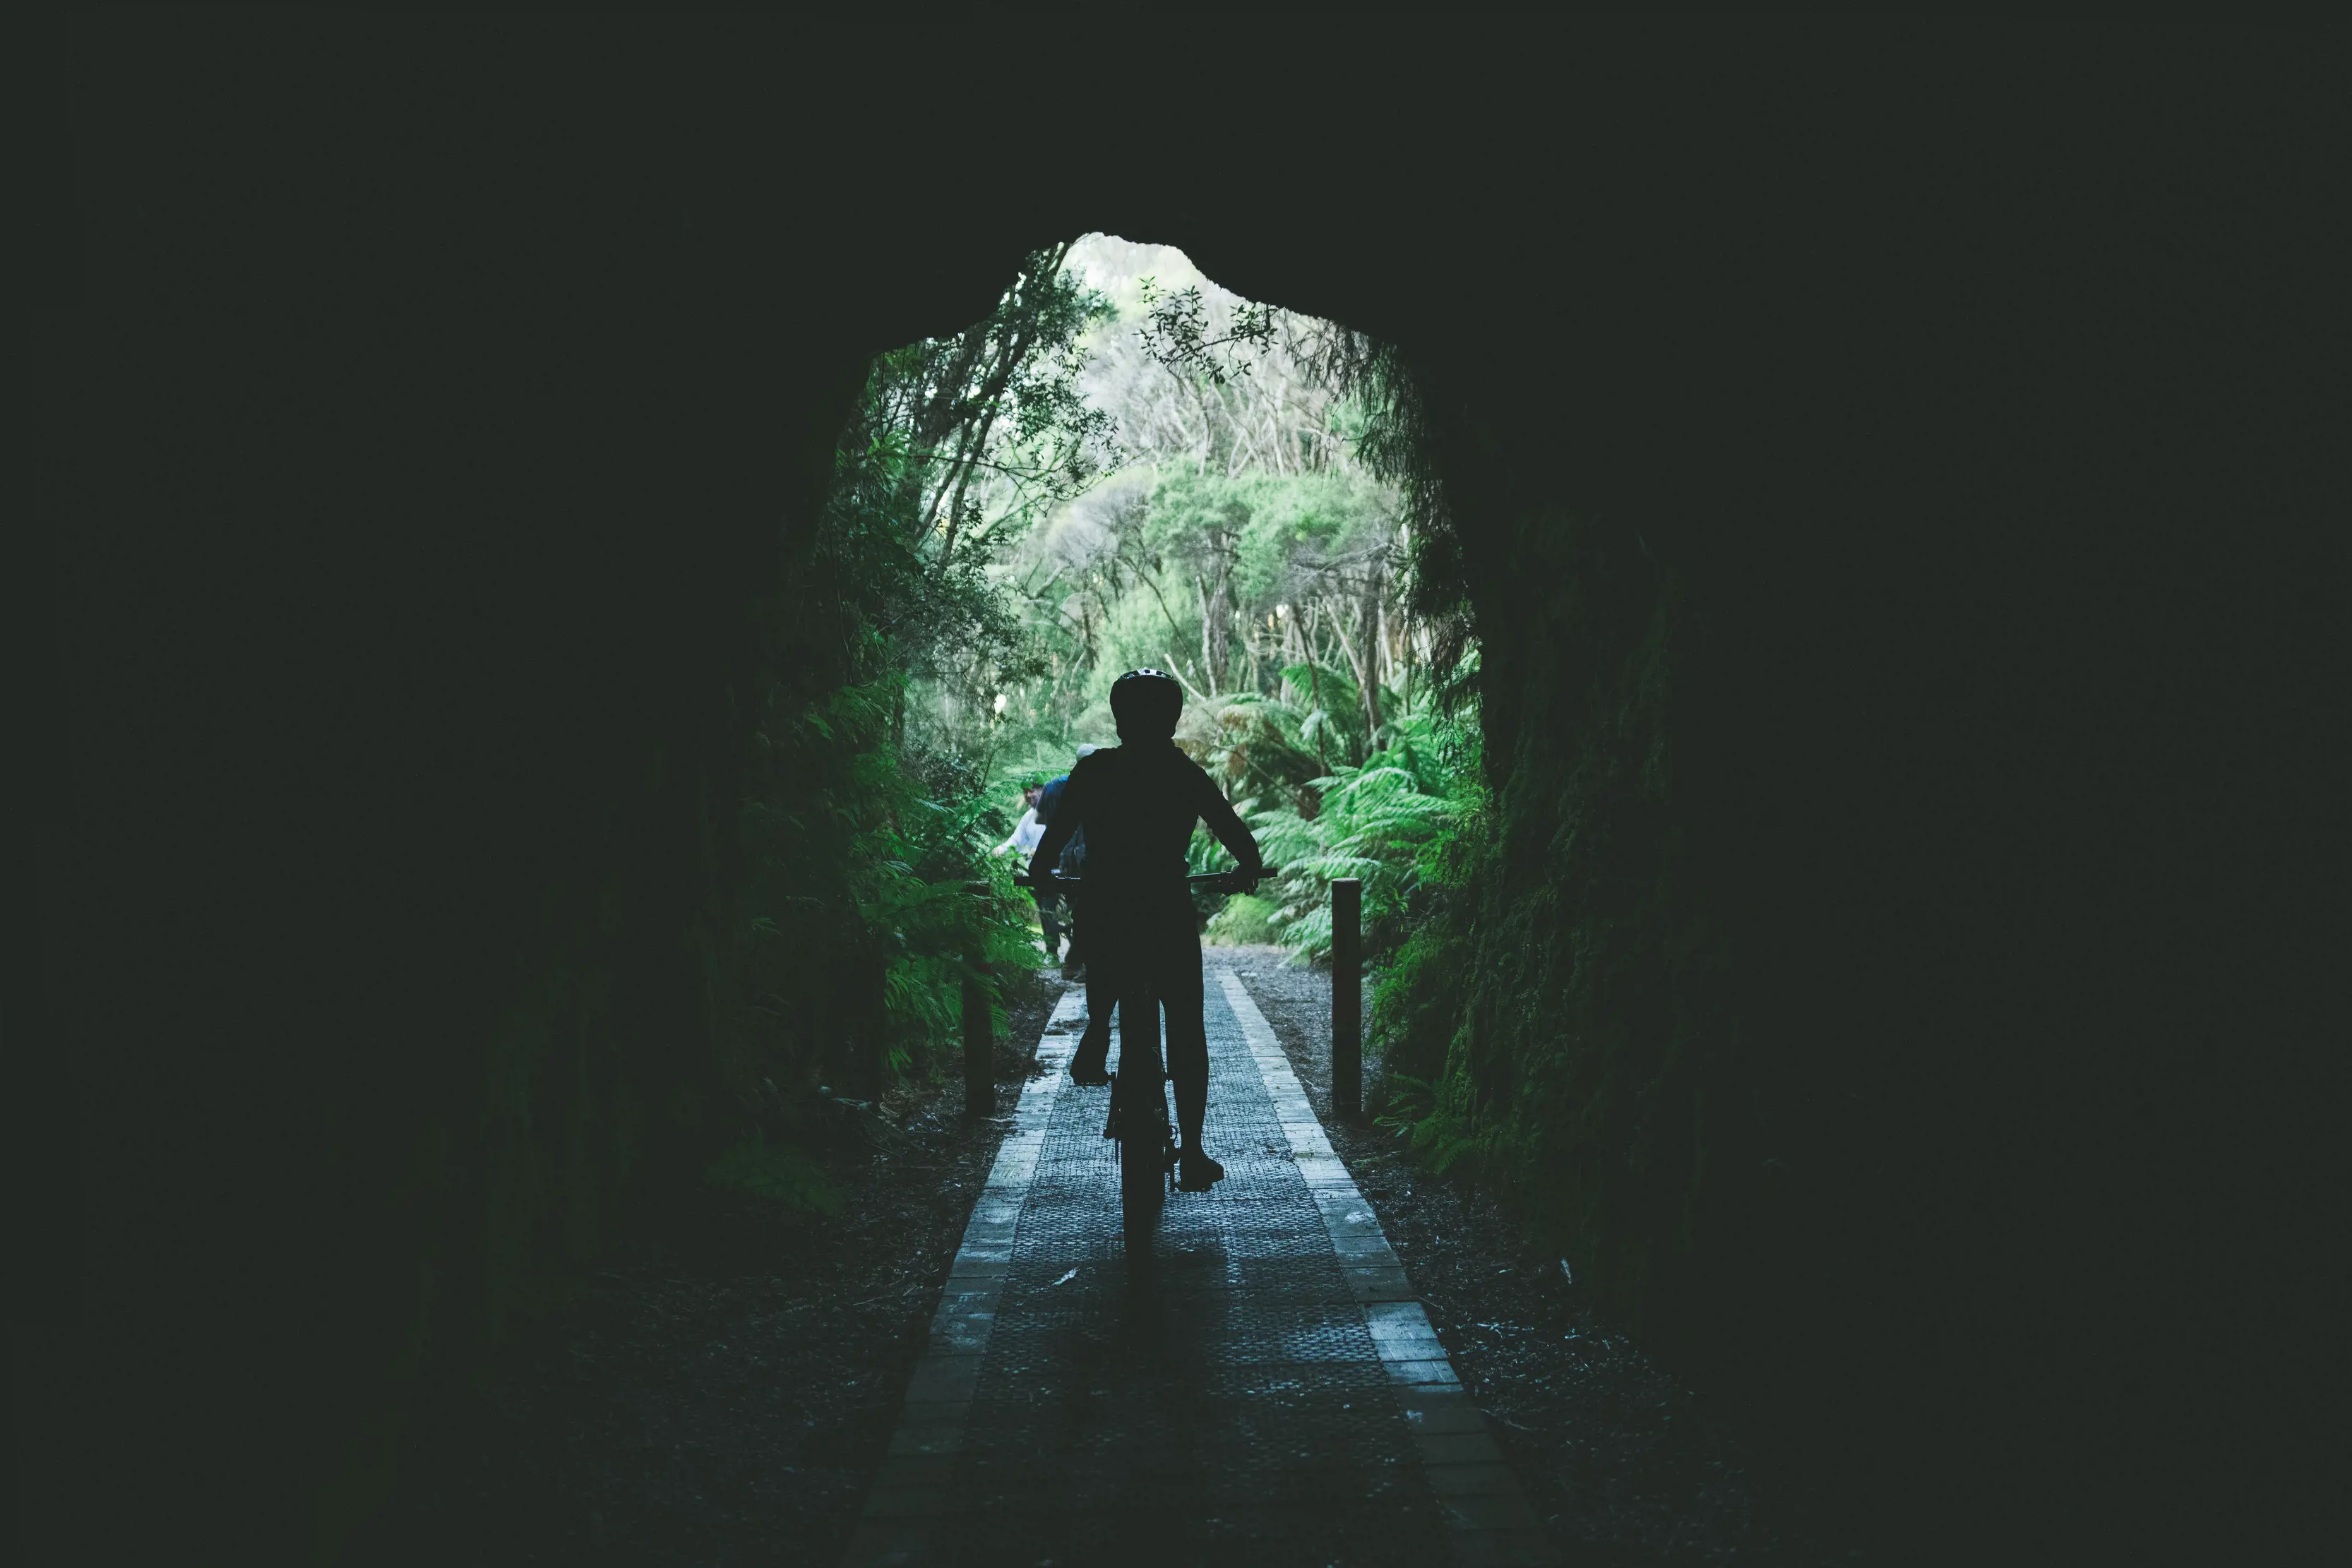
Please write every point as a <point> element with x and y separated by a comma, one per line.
<point>1188,1066</point>
<point>1188,1063</point>
<point>1090,1065</point>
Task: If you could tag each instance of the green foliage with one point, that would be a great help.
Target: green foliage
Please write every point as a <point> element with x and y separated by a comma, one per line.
<point>1238,542</point>
<point>1245,545</point>
<point>1177,333</point>
<point>1387,821</point>
<point>842,959</point>
<point>1245,920</point>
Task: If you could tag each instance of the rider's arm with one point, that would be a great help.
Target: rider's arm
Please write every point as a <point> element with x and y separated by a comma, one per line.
<point>1067,814</point>
<point>1226,825</point>
<point>1027,818</point>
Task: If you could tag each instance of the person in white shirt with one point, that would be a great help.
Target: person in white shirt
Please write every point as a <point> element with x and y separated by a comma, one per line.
<point>1024,842</point>
<point>1027,831</point>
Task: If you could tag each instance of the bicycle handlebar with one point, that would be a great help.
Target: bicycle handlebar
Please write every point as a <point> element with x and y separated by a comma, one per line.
<point>1055,879</point>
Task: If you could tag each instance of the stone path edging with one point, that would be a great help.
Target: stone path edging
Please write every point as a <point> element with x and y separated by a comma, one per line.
<point>912,1483</point>
<point>1492,1521</point>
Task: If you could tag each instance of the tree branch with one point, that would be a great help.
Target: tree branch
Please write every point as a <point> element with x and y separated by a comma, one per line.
<point>1180,675</point>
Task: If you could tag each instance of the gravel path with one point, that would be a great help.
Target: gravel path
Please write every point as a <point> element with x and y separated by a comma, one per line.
<point>1627,1465</point>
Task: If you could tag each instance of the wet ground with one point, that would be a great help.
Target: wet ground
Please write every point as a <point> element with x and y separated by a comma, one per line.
<point>729,1401</point>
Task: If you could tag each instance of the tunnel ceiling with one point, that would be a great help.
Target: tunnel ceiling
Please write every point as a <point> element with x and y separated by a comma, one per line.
<point>1627,232</point>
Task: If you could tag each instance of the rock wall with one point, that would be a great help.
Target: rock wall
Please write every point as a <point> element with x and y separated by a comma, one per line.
<point>1906,685</point>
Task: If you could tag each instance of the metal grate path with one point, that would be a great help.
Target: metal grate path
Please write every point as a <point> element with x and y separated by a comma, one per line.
<point>1275,1396</point>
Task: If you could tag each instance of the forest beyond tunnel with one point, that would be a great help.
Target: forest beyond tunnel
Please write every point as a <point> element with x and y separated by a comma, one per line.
<point>1890,513</point>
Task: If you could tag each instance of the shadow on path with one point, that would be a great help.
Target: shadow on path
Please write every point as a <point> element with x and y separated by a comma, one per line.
<point>1272,1396</point>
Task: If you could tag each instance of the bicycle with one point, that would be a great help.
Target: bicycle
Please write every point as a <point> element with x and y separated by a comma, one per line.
<point>1139,1121</point>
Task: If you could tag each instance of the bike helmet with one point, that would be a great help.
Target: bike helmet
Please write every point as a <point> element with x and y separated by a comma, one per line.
<point>1147,704</point>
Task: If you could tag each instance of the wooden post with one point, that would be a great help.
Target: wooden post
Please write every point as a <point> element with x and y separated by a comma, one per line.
<point>979,1043</point>
<point>1348,995</point>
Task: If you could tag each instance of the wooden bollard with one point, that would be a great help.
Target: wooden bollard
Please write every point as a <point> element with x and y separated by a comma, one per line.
<point>1348,995</point>
<point>979,1043</point>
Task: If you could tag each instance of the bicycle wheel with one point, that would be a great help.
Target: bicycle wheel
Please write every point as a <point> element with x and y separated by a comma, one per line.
<point>1142,1180</point>
<point>1144,1141</point>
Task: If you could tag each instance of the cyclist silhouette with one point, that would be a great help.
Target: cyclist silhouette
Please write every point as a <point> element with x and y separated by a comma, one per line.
<point>1138,802</point>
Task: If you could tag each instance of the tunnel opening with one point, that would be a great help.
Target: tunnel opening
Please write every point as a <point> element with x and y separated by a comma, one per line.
<point>1121,465</point>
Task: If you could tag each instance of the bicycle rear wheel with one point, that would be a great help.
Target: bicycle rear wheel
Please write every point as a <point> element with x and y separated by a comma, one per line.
<point>1142,1180</point>
<point>1140,1112</point>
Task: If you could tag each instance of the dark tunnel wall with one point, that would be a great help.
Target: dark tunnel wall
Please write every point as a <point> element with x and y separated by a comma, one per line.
<point>1890,474</point>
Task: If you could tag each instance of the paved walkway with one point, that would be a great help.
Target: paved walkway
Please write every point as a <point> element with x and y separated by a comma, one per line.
<point>1276,1395</point>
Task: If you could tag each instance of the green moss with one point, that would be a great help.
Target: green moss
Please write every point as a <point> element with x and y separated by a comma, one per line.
<point>1552,1025</point>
